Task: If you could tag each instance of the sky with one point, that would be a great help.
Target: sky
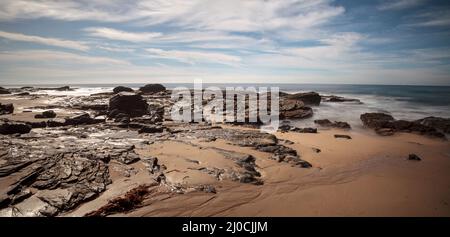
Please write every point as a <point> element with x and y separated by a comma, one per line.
<point>402,42</point>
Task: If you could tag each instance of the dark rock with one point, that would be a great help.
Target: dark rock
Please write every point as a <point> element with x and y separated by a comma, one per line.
<point>122,89</point>
<point>316,150</point>
<point>6,109</point>
<point>335,124</point>
<point>46,114</point>
<point>414,157</point>
<point>63,88</point>
<point>342,136</point>
<point>82,119</point>
<point>13,128</point>
<point>59,122</point>
<point>376,120</point>
<point>385,124</point>
<point>385,131</point>
<point>442,124</point>
<point>23,94</point>
<point>308,98</point>
<point>151,129</point>
<point>152,88</point>
<point>4,91</point>
<point>127,103</point>
<point>41,124</point>
<point>338,99</point>
<point>293,109</point>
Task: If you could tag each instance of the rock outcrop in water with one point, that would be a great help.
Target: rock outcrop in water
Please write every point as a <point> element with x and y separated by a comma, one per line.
<point>152,88</point>
<point>385,124</point>
<point>4,91</point>
<point>308,98</point>
<point>442,124</point>
<point>119,89</point>
<point>294,109</point>
<point>335,124</point>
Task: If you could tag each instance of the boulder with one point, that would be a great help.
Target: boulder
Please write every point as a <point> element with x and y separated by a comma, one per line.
<point>46,114</point>
<point>152,88</point>
<point>442,124</point>
<point>308,98</point>
<point>119,89</point>
<point>335,124</point>
<point>294,109</point>
<point>127,103</point>
<point>7,128</point>
<point>6,108</point>
<point>4,91</point>
<point>376,120</point>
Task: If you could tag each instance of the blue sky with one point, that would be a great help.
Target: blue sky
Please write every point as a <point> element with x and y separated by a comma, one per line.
<point>278,41</point>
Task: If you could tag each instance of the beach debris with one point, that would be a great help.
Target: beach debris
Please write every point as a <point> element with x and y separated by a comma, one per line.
<point>414,157</point>
<point>128,202</point>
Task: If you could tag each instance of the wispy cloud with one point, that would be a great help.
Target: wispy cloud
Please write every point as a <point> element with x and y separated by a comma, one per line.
<point>192,57</point>
<point>49,56</point>
<point>434,17</point>
<point>113,34</point>
<point>400,4</point>
<point>45,40</point>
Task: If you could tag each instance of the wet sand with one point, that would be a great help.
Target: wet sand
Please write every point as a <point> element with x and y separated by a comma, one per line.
<point>368,175</point>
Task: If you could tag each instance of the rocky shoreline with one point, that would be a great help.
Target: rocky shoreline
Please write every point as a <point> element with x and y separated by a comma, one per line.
<point>58,153</point>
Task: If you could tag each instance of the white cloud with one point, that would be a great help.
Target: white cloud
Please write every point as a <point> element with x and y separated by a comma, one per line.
<point>434,17</point>
<point>231,15</point>
<point>400,4</point>
<point>193,57</point>
<point>113,34</point>
<point>56,57</point>
<point>44,40</point>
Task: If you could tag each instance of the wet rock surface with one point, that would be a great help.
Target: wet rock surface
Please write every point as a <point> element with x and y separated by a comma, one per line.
<point>46,114</point>
<point>308,98</point>
<point>339,99</point>
<point>4,91</point>
<point>335,124</point>
<point>6,109</point>
<point>127,104</point>
<point>294,109</point>
<point>441,124</point>
<point>385,124</point>
<point>119,89</point>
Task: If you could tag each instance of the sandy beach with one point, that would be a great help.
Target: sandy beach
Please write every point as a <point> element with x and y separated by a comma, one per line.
<point>164,168</point>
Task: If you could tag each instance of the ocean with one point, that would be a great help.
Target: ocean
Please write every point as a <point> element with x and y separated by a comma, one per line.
<point>402,102</point>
